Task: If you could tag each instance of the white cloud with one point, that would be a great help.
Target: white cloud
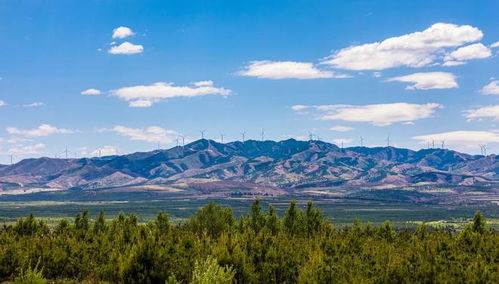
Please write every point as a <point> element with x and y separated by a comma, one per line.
<point>126,48</point>
<point>35,104</point>
<point>91,92</point>
<point>299,107</point>
<point>2,103</point>
<point>495,44</point>
<point>105,151</point>
<point>27,149</point>
<point>146,95</point>
<point>206,83</point>
<point>341,141</point>
<point>491,88</point>
<point>376,74</point>
<point>428,80</point>
<point>140,103</point>
<point>453,63</point>
<point>122,32</point>
<point>42,130</point>
<point>461,137</point>
<point>17,140</point>
<point>376,114</point>
<point>462,54</point>
<point>286,70</point>
<point>412,50</point>
<point>150,134</point>
<point>340,128</point>
<point>483,112</point>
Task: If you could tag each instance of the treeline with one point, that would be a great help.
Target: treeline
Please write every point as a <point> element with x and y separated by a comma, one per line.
<point>260,247</point>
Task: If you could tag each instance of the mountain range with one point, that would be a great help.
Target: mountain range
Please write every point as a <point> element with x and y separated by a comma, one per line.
<point>282,165</point>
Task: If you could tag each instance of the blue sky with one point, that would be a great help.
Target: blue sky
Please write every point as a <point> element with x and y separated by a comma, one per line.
<point>417,71</point>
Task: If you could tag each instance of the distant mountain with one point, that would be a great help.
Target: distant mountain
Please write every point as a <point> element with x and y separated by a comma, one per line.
<point>285,165</point>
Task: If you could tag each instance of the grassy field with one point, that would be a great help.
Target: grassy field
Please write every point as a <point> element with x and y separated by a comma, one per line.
<point>340,211</point>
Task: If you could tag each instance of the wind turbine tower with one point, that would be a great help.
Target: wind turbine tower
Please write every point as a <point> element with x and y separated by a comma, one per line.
<point>66,151</point>
<point>310,136</point>
<point>221,138</point>
<point>183,140</point>
<point>243,134</point>
<point>361,141</point>
<point>483,150</point>
<point>202,133</point>
<point>263,135</point>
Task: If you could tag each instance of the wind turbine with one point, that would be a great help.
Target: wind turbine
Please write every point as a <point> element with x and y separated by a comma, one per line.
<point>221,138</point>
<point>361,141</point>
<point>183,140</point>
<point>263,134</point>
<point>310,136</point>
<point>202,133</point>
<point>243,134</point>
<point>443,144</point>
<point>388,141</point>
<point>483,150</point>
<point>66,151</point>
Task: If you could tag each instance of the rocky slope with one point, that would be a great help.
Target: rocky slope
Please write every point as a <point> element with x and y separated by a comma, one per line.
<point>284,164</point>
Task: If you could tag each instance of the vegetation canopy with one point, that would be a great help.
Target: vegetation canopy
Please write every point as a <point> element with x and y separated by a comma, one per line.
<point>212,246</point>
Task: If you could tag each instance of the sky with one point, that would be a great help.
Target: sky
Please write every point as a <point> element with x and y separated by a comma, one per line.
<point>110,77</point>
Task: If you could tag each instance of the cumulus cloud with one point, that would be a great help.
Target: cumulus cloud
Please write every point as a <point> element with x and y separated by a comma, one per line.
<point>340,128</point>
<point>91,92</point>
<point>462,54</point>
<point>146,95</point>
<point>150,134</point>
<point>461,137</point>
<point>35,104</point>
<point>42,130</point>
<point>483,112</point>
<point>286,70</point>
<point>491,88</point>
<point>375,114</point>
<point>412,50</point>
<point>495,44</point>
<point>428,80</point>
<point>27,149</point>
<point>122,32</point>
<point>2,103</point>
<point>126,48</point>
<point>105,151</point>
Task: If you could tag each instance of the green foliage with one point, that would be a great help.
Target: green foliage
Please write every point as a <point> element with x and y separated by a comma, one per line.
<point>30,226</point>
<point>294,220</point>
<point>211,247</point>
<point>212,220</point>
<point>478,224</point>
<point>208,272</point>
<point>30,275</point>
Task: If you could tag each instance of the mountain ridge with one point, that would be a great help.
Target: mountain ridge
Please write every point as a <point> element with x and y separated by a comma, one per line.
<point>281,164</point>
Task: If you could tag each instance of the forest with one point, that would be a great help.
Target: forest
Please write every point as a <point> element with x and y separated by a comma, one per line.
<point>213,246</point>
